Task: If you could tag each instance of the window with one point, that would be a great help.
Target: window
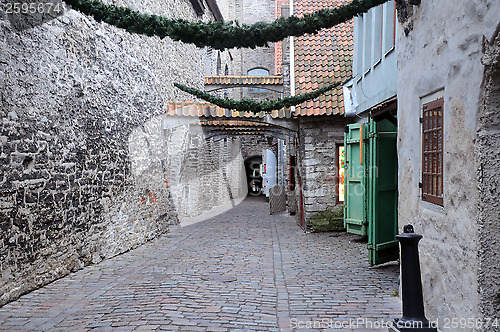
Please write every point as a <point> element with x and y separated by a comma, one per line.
<point>340,173</point>
<point>389,26</point>
<point>432,152</point>
<point>219,64</point>
<point>377,33</point>
<point>367,45</point>
<point>258,72</point>
<point>374,37</point>
<point>209,62</point>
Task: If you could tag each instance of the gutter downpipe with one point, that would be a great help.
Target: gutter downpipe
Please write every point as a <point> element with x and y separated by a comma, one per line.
<point>292,62</point>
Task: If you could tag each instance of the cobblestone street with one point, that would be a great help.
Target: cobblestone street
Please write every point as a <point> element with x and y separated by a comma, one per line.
<point>242,270</point>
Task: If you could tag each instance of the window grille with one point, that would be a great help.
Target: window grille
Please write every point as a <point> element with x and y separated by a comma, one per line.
<point>432,152</point>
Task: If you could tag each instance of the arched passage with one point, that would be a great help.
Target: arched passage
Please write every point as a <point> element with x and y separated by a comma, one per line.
<point>257,137</point>
<point>218,132</point>
<point>253,166</point>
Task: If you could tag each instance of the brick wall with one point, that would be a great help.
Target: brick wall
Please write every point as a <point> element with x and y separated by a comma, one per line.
<point>249,12</point>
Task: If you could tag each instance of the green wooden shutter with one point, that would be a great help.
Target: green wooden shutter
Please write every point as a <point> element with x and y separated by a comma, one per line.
<point>382,193</point>
<point>355,204</point>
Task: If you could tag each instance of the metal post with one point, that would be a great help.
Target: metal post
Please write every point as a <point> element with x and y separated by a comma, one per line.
<point>411,283</point>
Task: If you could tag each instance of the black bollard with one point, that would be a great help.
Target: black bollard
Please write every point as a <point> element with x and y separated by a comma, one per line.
<point>411,283</point>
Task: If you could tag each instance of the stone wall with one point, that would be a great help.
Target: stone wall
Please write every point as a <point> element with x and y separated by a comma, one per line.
<point>253,145</point>
<point>75,95</point>
<point>203,173</point>
<point>439,53</point>
<point>249,12</point>
<point>488,151</point>
<point>318,137</point>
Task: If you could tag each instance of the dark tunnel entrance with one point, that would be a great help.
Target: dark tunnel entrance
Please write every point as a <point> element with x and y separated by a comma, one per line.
<point>253,167</point>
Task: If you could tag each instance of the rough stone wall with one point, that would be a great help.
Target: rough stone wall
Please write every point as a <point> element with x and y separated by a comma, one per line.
<point>75,95</point>
<point>253,145</point>
<point>440,49</point>
<point>239,61</point>
<point>488,151</point>
<point>318,137</point>
<point>227,9</point>
<point>202,172</point>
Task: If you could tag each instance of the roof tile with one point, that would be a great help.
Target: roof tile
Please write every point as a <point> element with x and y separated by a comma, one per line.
<point>244,80</point>
<point>200,109</point>
<point>322,59</point>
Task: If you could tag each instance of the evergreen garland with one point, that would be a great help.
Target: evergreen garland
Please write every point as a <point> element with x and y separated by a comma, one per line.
<point>221,35</point>
<point>253,106</point>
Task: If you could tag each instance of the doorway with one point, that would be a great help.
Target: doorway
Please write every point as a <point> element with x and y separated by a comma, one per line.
<point>253,166</point>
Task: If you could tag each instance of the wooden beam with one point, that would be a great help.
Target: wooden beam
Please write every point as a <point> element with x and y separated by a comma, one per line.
<point>212,5</point>
<point>198,6</point>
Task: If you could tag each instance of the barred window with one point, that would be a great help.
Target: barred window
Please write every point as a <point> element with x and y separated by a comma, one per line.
<point>432,152</point>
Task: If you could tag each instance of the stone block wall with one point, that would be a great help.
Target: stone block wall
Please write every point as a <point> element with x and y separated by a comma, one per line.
<point>249,12</point>
<point>318,137</point>
<point>202,172</point>
<point>74,98</point>
<point>253,145</point>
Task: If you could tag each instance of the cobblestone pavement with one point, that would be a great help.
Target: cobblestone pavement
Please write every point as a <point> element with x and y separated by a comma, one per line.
<point>243,270</point>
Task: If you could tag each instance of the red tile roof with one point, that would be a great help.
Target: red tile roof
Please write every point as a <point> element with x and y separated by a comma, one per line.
<point>234,123</point>
<point>322,59</point>
<point>235,127</point>
<point>203,109</point>
<point>244,80</point>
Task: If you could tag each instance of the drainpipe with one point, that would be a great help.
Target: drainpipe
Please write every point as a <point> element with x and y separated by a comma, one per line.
<point>292,62</point>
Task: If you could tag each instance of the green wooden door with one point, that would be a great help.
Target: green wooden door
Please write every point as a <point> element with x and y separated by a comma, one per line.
<point>382,193</point>
<point>355,204</point>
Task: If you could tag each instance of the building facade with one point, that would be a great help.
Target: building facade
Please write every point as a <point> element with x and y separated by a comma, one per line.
<point>370,207</point>
<point>448,152</point>
<point>314,61</point>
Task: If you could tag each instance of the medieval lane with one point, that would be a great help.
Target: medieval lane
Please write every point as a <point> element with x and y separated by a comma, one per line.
<point>242,270</point>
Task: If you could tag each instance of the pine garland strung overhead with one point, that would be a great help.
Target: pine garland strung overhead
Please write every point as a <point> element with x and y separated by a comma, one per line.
<point>222,35</point>
<point>253,106</point>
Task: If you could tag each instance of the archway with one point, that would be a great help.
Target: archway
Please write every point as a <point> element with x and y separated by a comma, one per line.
<point>253,168</point>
